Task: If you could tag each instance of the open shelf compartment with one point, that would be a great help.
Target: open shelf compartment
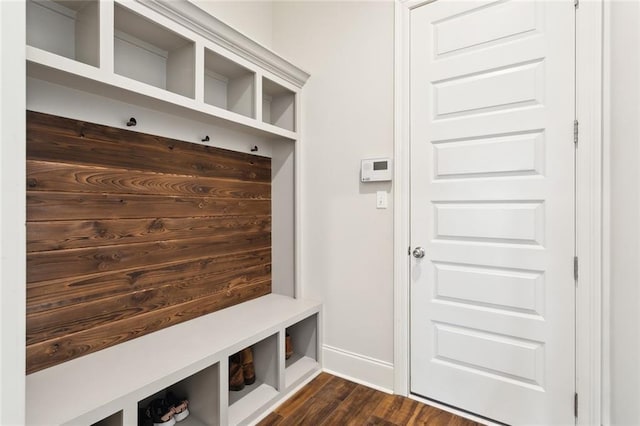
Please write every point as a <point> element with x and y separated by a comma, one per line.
<point>202,391</point>
<point>68,28</point>
<point>228,85</point>
<point>149,53</point>
<point>304,341</point>
<point>278,105</point>
<point>113,420</point>
<point>253,398</point>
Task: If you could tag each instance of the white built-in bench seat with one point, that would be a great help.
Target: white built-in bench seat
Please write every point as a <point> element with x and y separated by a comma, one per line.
<point>191,358</point>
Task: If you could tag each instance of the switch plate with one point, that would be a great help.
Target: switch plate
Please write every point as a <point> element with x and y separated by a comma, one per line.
<point>381,200</point>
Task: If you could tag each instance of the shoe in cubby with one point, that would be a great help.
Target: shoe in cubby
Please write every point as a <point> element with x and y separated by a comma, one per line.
<point>256,396</point>
<point>301,350</point>
<point>193,401</point>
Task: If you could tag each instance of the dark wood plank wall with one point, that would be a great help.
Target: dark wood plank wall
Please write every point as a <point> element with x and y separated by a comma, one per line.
<point>128,233</point>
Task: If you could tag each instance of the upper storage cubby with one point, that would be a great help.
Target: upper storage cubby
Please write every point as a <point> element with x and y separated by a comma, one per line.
<point>66,28</point>
<point>152,54</point>
<point>165,55</point>
<point>278,105</point>
<point>228,85</point>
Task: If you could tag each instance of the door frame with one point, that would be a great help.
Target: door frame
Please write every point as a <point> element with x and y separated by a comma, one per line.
<point>591,211</point>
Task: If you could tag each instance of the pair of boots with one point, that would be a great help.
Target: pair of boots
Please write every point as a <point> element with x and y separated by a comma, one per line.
<point>241,369</point>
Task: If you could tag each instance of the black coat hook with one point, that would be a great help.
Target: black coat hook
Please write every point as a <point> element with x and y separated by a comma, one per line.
<point>132,122</point>
<point>254,148</point>
<point>206,139</point>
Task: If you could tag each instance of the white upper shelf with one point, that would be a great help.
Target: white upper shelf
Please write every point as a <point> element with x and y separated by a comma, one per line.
<point>166,55</point>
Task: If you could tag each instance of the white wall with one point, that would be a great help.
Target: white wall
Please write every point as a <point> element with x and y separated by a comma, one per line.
<point>253,17</point>
<point>624,187</point>
<point>12,213</point>
<point>347,116</point>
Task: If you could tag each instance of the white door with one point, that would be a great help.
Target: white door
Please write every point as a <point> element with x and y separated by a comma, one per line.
<point>492,187</point>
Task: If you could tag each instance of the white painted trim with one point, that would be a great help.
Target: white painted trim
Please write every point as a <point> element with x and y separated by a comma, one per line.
<point>358,368</point>
<point>200,22</point>
<point>107,54</point>
<point>592,219</point>
<point>605,397</point>
<point>12,212</point>
<point>358,381</point>
<point>589,45</point>
<point>298,288</point>
<point>57,8</point>
<point>412,4</point>
<point>401,199</point>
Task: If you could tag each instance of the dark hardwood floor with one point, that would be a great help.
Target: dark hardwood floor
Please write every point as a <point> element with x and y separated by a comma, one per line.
<point>330,400</point>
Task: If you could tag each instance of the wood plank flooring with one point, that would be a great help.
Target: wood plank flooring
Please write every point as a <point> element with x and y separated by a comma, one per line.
<point>330,400</point>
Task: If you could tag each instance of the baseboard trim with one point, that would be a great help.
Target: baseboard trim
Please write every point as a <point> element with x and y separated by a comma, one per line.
<point>358,368</point>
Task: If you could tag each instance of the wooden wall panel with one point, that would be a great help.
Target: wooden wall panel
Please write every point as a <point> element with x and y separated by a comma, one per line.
<point>47,176</point>
<point>45,236</point>
<point>128,233</point>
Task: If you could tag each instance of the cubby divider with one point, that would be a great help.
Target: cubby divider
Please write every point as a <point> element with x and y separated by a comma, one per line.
<point>66,28</point>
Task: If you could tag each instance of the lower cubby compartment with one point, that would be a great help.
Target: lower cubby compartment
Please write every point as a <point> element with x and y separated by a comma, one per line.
<point>244,404</point>
<point>303,339</point>
<point>113,420</point>
<point>201,390</point>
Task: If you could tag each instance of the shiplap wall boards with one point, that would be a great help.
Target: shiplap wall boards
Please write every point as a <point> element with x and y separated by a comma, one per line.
<point>129,233</point>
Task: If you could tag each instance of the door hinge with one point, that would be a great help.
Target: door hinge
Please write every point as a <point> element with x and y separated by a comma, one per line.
<point>575,405</point>
<point>409,251</point>
<point>575,268</point>
<point>575,131</point>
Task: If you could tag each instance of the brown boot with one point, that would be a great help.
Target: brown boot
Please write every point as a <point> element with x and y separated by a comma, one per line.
<point>236,378</point>
<point>288,346</point>
<point>248,370</point>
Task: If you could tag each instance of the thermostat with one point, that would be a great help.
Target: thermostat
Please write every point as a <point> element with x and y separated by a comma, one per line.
<point>375,170</point>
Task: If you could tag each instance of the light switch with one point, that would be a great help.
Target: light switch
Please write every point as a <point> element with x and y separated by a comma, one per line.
<point>381,199</point>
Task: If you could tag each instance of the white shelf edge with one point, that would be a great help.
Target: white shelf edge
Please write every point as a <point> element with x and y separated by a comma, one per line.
<point>299,367</point>
<point>97,81</point>
<point>250,403</point>
<point>143,369</point>
<point>192,420</point>
<point>272,128</point>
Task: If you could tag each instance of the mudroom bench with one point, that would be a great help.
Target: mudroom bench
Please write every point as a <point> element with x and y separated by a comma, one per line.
<point>107,387</point>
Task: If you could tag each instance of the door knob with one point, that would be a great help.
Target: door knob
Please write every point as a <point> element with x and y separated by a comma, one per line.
<point>418,252</point>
